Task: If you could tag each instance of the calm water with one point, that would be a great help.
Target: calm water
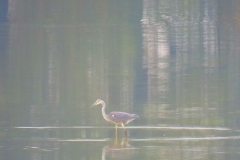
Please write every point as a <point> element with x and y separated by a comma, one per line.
<point>174,63</point>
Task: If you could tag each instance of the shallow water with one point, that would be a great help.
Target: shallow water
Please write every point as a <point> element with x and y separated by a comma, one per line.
<point>53,142</point>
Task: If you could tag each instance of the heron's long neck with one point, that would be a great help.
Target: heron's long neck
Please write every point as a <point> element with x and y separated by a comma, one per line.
<point>103,111</point>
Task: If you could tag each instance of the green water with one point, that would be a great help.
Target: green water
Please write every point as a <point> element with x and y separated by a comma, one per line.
<point>174,63</point>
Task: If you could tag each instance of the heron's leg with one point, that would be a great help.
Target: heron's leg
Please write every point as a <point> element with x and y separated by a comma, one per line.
<point>116,129</point>
<point>116,139</point>
<point>124,129</point>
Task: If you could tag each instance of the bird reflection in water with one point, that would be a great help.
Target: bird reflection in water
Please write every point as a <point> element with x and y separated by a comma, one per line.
<point>120,150</point>
<point>117,118</point>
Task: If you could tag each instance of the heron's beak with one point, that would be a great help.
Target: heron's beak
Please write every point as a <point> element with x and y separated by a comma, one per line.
<point>94,104</point>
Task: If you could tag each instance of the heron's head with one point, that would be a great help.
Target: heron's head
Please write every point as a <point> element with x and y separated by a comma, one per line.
<point>98,101</point>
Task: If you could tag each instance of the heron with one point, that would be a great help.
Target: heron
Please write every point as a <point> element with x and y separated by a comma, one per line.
<point>117,118</point>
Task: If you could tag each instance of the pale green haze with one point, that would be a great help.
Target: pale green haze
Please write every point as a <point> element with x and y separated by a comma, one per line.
<point>175,63</point>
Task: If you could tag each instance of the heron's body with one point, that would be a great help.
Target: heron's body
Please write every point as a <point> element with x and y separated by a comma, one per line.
<point>118,118</point>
